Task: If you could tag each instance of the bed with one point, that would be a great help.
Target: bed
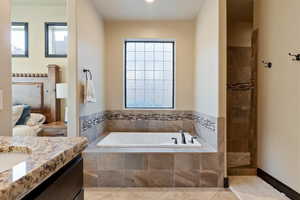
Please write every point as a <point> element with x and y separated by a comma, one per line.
<point>24,130</point>
<point>38,91</point>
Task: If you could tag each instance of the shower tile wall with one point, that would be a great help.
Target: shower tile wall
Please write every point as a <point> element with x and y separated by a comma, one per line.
<point>241,92</point>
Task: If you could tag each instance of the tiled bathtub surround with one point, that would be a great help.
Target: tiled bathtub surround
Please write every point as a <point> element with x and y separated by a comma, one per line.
<point>209,128</point>
<point>92,126</point>
<point>153,169</point>
<point>161,115</point>
<point>121,168</point>
<point>205,121</point>
<point>205,126</point>
<point>149,121</point>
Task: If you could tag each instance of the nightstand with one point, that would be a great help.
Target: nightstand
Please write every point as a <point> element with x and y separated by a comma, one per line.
<point>54,129</point>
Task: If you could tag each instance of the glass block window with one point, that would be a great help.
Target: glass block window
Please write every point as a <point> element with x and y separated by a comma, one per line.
<point>149,74</point>
<point>19,39</point>
<point>56,39</point>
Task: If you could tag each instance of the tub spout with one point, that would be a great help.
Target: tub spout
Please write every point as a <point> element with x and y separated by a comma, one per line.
<point>183,140</point>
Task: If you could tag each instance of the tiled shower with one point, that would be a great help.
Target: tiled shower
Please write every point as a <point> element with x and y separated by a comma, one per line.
<point>241,92</point>
<point>241,124</point>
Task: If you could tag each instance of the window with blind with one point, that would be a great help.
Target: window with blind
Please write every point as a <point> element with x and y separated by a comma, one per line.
<point>149,74</point>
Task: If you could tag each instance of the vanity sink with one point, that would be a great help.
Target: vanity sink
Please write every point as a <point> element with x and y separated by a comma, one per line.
<point>11,159</point>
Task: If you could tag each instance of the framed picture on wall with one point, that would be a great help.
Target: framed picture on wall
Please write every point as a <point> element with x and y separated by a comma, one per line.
<point>56,38</point>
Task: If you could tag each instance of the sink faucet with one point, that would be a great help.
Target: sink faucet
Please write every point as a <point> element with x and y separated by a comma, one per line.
<point>182,137</point>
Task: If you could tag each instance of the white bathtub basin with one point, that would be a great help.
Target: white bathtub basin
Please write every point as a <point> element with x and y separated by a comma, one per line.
<point>147,140</point>
<point>11,159</point>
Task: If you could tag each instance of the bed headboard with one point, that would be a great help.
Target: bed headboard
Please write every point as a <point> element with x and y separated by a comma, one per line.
<point>39,91</point>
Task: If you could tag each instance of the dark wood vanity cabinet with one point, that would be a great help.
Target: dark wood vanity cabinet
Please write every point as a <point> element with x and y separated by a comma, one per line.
<point>65,184</point>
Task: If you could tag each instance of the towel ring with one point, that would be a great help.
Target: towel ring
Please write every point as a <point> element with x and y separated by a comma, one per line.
<point>88,72</point>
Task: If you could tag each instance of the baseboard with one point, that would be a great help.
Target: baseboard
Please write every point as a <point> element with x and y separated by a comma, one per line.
<point>289,192</point>
<point>226,182</point>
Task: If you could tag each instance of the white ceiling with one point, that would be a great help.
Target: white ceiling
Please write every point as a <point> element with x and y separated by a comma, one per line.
<point>140,10</point>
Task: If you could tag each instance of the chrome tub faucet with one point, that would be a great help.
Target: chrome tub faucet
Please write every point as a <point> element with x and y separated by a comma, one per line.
<point>183,140</point>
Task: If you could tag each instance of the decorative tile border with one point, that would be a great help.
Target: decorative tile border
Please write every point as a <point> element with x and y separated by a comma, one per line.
<point>206,121</point>
<point>202,120</point>
<point>149,115</point>
<point>90,121</point>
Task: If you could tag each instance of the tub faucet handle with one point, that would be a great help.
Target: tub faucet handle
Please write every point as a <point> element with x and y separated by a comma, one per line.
<point>193,138</point>
<point>175,140</point>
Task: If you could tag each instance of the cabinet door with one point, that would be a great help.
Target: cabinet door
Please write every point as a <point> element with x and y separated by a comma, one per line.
<point>66,184</point>
<point>80,196</point>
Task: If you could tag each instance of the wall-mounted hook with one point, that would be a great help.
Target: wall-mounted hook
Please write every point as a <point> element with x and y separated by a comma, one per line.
<point>267,64</point>
<point>296,56</point>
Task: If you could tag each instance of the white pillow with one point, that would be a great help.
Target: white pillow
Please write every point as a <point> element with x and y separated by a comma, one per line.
<point>36,119</point>
<point>21,130</point>
<point>17,112</point>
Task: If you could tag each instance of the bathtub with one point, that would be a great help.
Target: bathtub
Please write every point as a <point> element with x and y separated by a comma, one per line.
<point>151,140</point>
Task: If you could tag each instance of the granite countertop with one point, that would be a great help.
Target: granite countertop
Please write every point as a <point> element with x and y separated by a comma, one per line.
<point>46,156</point>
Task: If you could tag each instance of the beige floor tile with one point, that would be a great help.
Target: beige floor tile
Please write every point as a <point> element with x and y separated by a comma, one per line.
<point>158,194</point>
<point>252,187</point>
<point>224,196</point>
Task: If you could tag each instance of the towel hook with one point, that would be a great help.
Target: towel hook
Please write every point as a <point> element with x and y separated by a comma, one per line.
<point>296,56</point>
<point>267,64</point>
<point>88,72</point>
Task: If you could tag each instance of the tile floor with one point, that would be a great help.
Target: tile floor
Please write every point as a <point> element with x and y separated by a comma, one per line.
<point>253,187</point>
<point>158,194</point>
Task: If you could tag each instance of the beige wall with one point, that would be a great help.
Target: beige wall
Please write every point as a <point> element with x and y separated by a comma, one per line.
<point>211,69</point>
<point>222,10</point>
<point>36,16</point>
<point>90,52</point>
<point>182,31</point>
<point>207,59</point>
<point>73,83</point>
<point>279,90</point>
<point>5,69</point>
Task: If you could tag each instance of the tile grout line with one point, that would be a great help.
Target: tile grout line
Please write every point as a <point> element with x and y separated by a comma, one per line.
<point>212,198</point>
<point>235,193</point>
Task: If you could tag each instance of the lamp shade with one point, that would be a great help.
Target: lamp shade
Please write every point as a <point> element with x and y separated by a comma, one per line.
<point>61,90</point>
